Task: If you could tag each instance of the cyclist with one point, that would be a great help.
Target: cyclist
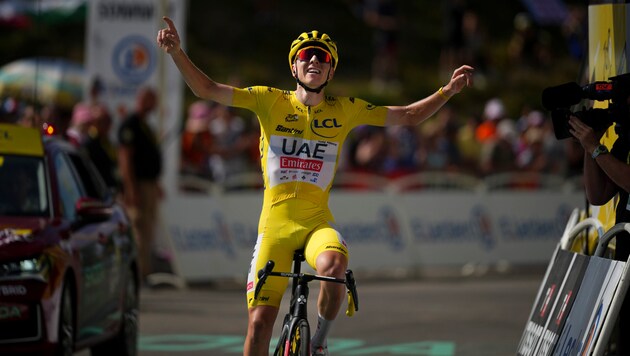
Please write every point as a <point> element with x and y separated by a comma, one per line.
<point>302,132</point>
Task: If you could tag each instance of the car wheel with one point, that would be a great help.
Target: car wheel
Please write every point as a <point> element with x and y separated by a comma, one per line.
<point>125,343</point>
<point>65,338</point>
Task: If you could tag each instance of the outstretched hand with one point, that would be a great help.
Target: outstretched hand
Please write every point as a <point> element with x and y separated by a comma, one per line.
<point>462,77</point>
<point>168,38</point>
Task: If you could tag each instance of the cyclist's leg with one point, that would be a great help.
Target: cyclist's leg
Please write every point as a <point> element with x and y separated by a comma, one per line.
<point>263,311</point>
<point>269,248</point>
<point>326,252</point>
<point>259,330</point>
<point>276,241</point>
<point>333,264</point>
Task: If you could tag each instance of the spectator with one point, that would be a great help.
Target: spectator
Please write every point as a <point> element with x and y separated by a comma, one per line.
<point>498,153</point>
<point>439,150</point>
<point>468,145</point>
<point>101,149</point>
<point>232,142</point>
<point>555,150</point>
<point>96,91</point>
<point>30,118</point>
<point>430,157</point>
<point>532,158</point>
<point>140,164</point>
<point>402,147</point>
<point>538,150</point>
<point>82,118</point>
<point>369,150</point>
<point>197,141</point>
<point>493,112</point>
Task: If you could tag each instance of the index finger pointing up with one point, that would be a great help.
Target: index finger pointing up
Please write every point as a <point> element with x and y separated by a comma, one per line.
<point>169,22</point>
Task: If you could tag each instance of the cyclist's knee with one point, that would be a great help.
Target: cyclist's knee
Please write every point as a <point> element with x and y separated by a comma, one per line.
<point>331,263</point>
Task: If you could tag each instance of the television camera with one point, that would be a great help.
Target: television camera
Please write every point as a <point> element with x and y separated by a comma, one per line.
<point>559,100</point>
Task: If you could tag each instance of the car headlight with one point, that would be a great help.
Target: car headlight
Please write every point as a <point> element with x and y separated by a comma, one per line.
<point>26,268</point>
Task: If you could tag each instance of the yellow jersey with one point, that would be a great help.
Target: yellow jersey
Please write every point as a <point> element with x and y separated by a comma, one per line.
<point>300,145</point>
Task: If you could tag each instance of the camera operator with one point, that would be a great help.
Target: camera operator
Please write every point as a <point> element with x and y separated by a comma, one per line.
<point>607,174</point>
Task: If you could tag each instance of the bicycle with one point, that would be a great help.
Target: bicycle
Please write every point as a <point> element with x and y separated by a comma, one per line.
<point>295,338</point>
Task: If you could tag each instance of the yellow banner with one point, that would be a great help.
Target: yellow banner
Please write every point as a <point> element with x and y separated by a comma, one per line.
<point>607,38</point>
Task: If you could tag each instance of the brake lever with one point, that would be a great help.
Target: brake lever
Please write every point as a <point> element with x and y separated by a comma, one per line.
<point>352,290</point>
<point>263,273</point>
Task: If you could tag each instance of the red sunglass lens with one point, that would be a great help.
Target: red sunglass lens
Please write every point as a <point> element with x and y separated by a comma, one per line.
<point>307,54</point>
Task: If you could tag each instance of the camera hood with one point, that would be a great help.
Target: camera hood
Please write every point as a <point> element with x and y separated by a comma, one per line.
<point>561,96</point>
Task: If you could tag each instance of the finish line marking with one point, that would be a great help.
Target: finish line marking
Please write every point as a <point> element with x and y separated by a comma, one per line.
<point>173,343</point>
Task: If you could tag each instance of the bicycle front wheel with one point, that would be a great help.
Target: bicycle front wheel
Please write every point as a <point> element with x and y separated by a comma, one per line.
<point>298,340</point>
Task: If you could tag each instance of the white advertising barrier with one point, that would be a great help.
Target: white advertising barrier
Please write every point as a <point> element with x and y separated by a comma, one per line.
<point>511,226</point>
<point>374,228</point>
<point>213,236</point>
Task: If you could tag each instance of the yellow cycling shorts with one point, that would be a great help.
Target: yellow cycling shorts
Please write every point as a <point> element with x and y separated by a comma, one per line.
<point>284,227</point>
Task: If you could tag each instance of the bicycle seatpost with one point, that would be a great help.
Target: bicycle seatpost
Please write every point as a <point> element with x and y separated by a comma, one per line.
<point>298,258</point>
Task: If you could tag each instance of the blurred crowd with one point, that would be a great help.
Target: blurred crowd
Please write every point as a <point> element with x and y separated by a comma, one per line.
<point>489,142</point>
<point>219,142</point>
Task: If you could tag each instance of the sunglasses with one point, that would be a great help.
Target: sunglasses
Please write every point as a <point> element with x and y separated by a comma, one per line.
<point>307,53</point>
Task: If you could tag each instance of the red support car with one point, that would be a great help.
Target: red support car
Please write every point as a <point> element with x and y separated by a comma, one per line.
<point>68,273</point>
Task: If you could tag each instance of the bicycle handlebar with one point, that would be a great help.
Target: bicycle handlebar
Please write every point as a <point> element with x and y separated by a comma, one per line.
<point>349,281</point>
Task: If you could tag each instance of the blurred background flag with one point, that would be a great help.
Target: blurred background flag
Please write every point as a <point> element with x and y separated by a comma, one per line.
<point>24,13</point>
<point>43,81</point>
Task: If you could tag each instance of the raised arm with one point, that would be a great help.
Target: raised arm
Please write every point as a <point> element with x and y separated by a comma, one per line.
<point>605,175</point>
<point>415,113</point>
<point>201,85</point>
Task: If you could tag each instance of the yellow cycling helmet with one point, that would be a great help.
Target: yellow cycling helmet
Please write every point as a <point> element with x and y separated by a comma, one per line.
<point>314,38</point>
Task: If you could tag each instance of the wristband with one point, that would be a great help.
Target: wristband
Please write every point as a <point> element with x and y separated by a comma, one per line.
<point>442,94</point>
<point>599,150</point>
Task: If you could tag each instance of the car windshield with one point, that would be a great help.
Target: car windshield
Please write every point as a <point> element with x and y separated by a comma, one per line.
<point>23,189</point>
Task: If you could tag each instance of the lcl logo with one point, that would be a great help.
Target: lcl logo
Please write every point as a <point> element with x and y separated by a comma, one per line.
<point>321,127</point>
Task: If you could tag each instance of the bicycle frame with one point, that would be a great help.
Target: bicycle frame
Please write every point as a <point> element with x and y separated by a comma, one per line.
<point>297,316</point>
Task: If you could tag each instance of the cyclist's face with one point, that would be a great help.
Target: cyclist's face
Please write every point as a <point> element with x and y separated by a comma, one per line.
<point>312,71</point>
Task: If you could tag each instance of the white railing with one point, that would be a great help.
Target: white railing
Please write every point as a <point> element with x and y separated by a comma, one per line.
<point>424,181</point>
<point>436,181</point>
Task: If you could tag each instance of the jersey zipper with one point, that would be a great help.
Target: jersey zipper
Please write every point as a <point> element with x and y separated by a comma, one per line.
<point>304,138</point>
